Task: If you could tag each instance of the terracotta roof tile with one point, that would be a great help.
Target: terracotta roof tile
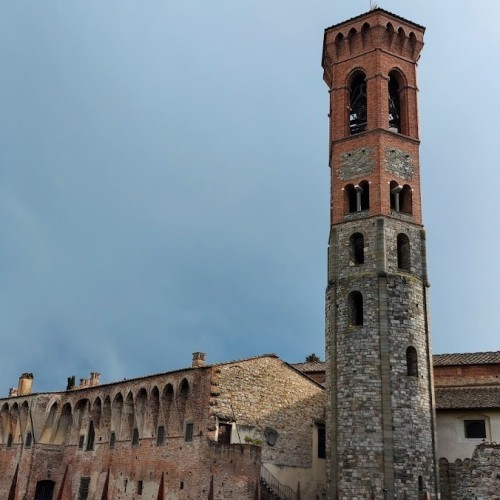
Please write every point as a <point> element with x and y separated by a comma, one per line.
<point>448,398</point>
<point>468,358</point>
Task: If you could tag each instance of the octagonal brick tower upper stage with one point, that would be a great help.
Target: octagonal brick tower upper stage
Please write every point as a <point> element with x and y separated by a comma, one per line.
<point>380,404</point>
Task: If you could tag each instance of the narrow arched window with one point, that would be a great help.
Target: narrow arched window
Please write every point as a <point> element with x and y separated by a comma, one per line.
<point>394,105</point>
<point>364,202</point>
<point>405,200</point>
<point>358,115</point>
<point>350,199</point>
<point>411,362</point>
<point>355,307</point>
<point>404,254</point>
<point>357,247</point>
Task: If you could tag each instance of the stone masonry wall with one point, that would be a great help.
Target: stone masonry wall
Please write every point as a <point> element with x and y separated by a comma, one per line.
<point>394,318</point>
<point>282,399</point>
<point>478,477</point>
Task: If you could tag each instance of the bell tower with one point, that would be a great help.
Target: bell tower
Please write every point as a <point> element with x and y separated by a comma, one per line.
<point>380,403</point>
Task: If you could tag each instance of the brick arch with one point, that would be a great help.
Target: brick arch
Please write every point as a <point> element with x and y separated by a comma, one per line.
<point>168,406</point>
<point>4,423</point>
<point>106,416</point>
<point>116,413</point>
<point>141,410</point>
<point>128,418</point>
<point>64,424</point>
<point>366,35</point>
<point>50,422</point>
<point>24,418</point>
<point>182,400</point>
<point>155,407</point>
<point>96,411</point>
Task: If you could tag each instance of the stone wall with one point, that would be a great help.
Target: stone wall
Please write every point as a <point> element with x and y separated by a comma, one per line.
<point>282,401</point>
<point>478,477</point>
<point>373,401</point>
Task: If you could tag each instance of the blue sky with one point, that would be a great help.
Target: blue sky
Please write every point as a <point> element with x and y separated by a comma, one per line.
<point>164,180</point>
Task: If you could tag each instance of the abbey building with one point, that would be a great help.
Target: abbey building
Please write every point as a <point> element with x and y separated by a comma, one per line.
<point>381,418</point>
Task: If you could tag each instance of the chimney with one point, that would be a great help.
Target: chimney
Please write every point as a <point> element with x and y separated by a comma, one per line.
<point>95,378</point>
<point>198,359</point>
<point>12,392</point>
<point>25,384</point>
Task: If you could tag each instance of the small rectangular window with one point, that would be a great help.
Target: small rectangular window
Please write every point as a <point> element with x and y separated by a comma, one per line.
<point>29,440</point>
<point>224,434</point>
<point>9,441</point>
<point>160,436</point>
<point>81,441</point>
<point>475,429</point>
<point>83,492</point>
<point>321,441</point>
<point>189,432</point>
<point>112,440</point>
<point>181,485</point>
<point>135,438</point>
<point>139,487</point>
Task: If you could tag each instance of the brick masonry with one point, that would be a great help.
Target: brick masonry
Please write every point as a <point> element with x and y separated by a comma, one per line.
<point>254,394</point>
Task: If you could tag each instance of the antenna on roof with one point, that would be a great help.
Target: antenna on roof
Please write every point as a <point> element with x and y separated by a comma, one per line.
<point>373,6</point>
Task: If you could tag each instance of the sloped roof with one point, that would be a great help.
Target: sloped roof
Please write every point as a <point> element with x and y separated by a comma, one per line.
<point>455,398</point>
<point>316,366</point>
<point>378,9</point>
<point>468,358</point>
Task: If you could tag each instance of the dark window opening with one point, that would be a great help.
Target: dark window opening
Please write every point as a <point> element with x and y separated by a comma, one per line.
<point>358,115</point>
<point>135,437</point>
<point>29,440</point>
<point>475,429</point>
<point>44,490</point>
<point>321,441</point>
<point>350,199</point>
<point>181,485</point>
<point>125,484</point>
<point>404,254</point>
<point>112,440</point>
<point>355,303</point>
<point>420,484</point>
<point>405,200</point>
<point>357,246</point>
<point>81,441</point>
<point>411,362</point>
<point>160,436</point>
<point>90,437</point>
<point>83,492</point>
<point>139,487</point>
<point>224,434</point>
<point>364,196</point>
<point>9,441</point>
<point>394,105</point>
<point>189,432</point>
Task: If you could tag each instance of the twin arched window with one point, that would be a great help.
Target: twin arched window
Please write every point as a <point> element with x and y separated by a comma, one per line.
<point>357,197</point>
<point>401,198</point>
<point>358,103</point>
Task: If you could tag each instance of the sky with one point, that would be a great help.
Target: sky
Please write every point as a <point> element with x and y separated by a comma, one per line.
<point>164,180</point>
